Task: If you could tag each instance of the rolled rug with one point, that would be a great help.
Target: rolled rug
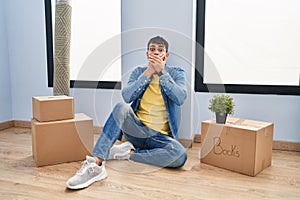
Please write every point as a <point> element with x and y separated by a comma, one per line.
<point>63,13</point>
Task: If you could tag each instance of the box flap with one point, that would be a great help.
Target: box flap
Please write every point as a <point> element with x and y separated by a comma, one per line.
<point>47,98</point>
<point>243,123</point>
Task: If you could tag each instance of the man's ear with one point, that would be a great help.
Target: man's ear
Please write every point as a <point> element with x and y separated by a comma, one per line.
<point>167,55</point>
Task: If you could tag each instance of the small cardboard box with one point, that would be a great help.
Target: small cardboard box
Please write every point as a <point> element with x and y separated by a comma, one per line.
<point>240,145</point>
<point>62,141</point>
<point>52,108</point>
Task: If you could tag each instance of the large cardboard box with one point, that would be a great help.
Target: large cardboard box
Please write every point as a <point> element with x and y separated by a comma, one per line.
<point>52,108</point>
<point>240,145</point>
<point>62,141</point>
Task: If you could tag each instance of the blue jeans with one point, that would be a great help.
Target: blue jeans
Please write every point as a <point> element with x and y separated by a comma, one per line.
<point>152,147</point>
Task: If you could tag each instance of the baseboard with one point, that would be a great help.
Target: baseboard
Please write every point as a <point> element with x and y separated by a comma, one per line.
<point>15,123</point>
<point>22,124</point>
<point>197,138</point>
<point>284,145</point>
<point>5,125</point>
<point>187,143</point>
<point>277,144</point>
<point>97,129</point>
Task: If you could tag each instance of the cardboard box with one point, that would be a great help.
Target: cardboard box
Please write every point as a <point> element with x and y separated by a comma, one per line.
<point>62,141</point>
<point>52,108</point>
<point>240,145</point>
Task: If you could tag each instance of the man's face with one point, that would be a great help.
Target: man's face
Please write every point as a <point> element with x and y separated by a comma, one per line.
<point>157,50</point>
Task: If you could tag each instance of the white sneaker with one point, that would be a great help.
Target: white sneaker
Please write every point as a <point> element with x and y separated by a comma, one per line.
<point>89,173</point>
<point>120,151</point>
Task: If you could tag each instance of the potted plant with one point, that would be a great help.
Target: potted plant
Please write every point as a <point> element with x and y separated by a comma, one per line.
<point>222,105</point>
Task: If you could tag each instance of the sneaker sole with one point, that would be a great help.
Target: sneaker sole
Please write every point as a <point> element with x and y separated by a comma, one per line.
<point>89,182</point>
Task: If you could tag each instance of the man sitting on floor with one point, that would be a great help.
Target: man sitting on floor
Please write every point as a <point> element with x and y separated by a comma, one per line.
<point>149,124</point>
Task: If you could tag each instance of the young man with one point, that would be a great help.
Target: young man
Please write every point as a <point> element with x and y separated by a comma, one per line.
<point>149,124</point>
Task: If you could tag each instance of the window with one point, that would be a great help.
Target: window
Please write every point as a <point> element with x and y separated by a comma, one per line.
<point>95,54</point>
<point>250,46</point>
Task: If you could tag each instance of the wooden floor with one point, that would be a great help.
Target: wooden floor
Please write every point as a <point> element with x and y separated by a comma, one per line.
<point>20,179</point>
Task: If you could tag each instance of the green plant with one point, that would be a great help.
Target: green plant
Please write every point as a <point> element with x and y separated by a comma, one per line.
<point>222,104</point>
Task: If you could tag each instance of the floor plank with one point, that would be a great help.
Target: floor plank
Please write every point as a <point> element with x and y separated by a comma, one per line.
<point>20,179</point>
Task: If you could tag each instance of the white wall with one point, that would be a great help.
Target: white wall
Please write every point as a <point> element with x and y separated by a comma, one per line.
<point>171,19</point>
<point>27,66</point>
<point>25,26</point>
<point>5,86</point>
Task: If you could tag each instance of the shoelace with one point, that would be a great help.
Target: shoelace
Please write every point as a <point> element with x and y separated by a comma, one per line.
<point>83,168</point>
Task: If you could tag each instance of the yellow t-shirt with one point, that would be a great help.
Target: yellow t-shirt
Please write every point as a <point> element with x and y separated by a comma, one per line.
<point>152,110</point>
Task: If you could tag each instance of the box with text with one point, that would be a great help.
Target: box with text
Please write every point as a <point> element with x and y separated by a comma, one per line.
<point>240,145</point>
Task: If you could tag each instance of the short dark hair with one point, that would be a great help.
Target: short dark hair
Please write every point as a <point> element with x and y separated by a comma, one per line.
<point>159,40</point>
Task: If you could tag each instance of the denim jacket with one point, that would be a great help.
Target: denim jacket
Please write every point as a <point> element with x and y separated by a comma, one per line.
<point>173,89</point>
